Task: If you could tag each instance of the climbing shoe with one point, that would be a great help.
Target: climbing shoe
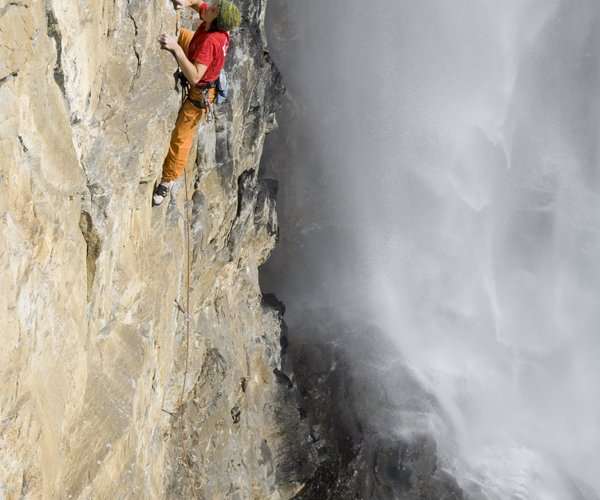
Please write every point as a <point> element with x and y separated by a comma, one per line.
<point>160,192</point>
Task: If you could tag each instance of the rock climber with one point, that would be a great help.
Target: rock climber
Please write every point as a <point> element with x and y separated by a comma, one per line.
<point>201,56</point>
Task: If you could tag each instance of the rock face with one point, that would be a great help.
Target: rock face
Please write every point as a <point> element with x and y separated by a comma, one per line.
<point>138,354</point>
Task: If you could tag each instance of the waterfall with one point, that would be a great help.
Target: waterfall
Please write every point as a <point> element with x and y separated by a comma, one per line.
<point>440,179</point>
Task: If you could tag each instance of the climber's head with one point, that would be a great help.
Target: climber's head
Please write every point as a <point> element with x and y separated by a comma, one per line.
<point>221,15</point>
<point>228,16</point>
<point>209,14</point>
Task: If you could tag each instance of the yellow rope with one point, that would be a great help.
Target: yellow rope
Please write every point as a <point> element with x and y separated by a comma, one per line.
<point>186,314</point>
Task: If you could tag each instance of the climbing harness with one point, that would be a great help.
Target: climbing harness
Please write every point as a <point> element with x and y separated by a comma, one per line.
<point>204,90</point>
<point>205,94</point>
<point>221,86</point>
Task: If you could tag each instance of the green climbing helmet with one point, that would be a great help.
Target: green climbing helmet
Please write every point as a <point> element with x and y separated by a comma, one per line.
<point>229,16</point>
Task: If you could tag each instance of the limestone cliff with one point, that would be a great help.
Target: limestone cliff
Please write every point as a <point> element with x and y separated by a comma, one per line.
<point>109,390</point>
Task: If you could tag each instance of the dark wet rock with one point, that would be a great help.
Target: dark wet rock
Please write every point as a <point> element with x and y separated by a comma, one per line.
<point>270,300</point>
<point>283,378</point>
<point>351,406</point>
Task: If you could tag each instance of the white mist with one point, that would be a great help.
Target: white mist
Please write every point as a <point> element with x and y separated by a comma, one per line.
<point>443,182</point>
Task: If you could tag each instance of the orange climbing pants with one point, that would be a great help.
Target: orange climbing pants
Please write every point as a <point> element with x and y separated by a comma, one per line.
<point>189,115</point>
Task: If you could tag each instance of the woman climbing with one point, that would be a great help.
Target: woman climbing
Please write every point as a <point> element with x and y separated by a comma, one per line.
<point>201,56</point>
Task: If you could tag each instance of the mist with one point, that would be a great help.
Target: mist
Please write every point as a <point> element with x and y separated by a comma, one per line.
<point>439,180</point>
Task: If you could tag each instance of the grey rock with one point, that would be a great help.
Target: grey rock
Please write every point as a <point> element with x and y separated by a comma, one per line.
<point>352,405</point>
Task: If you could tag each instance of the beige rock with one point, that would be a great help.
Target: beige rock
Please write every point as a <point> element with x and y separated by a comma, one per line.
<point>108,390</point>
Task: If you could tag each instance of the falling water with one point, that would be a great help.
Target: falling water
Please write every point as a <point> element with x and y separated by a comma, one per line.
<point>440,178</point>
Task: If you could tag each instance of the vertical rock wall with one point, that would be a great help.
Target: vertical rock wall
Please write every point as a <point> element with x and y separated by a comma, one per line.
<point>108,389</point>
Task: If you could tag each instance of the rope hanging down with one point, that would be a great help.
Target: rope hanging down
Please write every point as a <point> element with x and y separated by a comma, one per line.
<point>187,314</point>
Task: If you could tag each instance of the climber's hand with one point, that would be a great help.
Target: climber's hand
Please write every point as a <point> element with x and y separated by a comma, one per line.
<point>168,42</point>
<point>181,4</point>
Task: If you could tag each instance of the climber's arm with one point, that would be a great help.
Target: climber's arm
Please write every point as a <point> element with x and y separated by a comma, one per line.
<point>193,71</point>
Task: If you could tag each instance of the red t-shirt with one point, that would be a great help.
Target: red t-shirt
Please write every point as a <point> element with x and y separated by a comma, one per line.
<point>209,48</point>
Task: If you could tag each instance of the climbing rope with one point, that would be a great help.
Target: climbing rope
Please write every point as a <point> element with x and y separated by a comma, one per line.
<point>186,311</point>
<point>187,314</point>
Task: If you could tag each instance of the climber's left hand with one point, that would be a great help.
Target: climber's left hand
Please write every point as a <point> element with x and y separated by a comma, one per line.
<point>168,42</point>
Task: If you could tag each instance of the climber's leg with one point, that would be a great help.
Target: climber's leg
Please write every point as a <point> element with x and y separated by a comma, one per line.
<point>184,39</point>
